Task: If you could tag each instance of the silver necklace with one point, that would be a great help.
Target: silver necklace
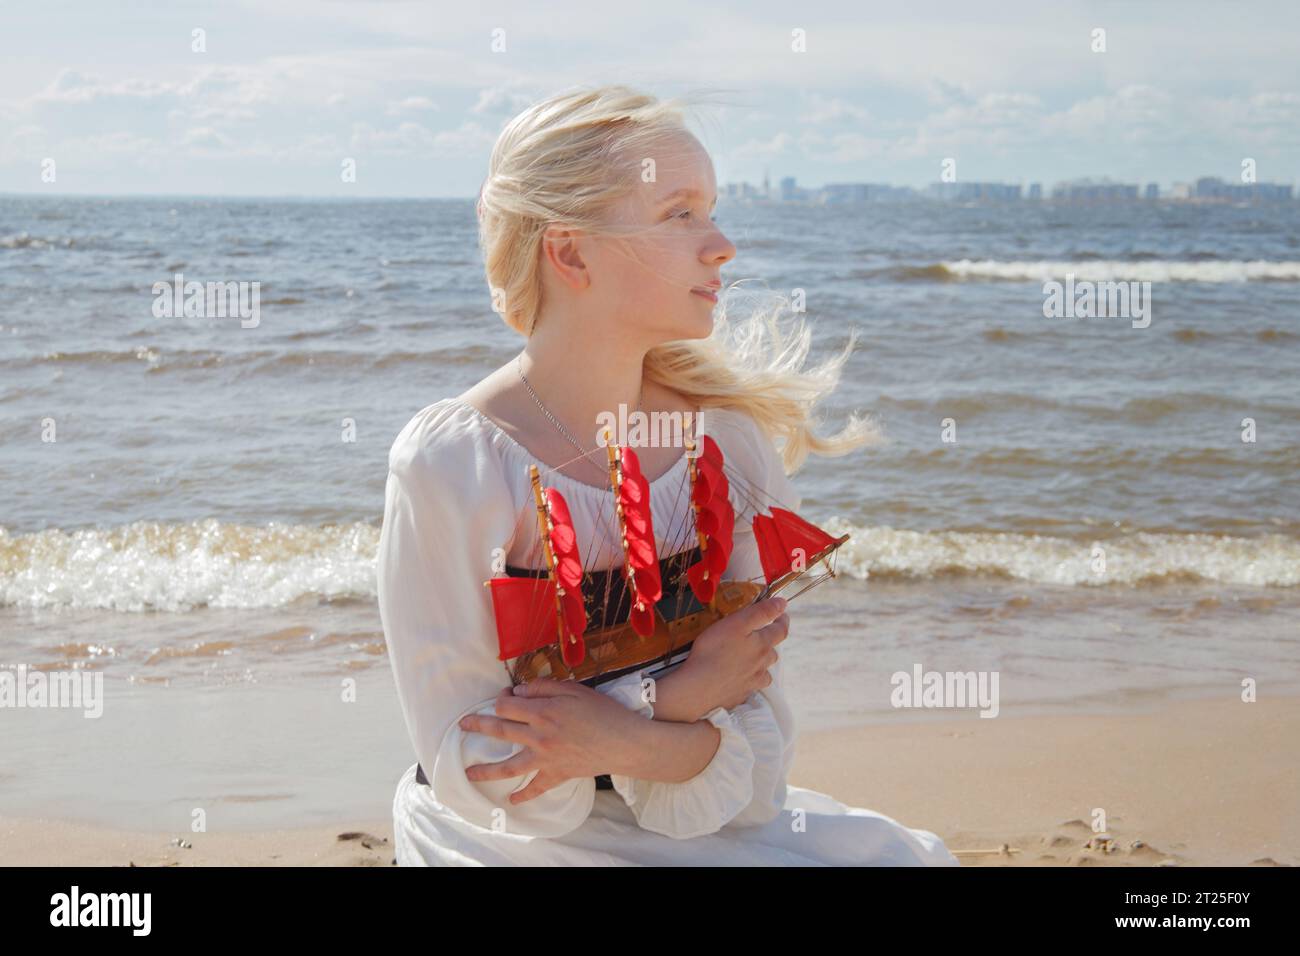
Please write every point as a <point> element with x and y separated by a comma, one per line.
<point>519,367</point>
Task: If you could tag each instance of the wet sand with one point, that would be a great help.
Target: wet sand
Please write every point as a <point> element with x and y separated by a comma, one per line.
<point>1183,783</point>
<point>1188,782</point>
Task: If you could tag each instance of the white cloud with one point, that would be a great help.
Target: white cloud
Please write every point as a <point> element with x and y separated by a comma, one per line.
<point>205,138</point>
<point>831,109</point>
<point>505,102</point>
<point>774,145</point>
<point>411,104</point>
<point>1270,118</point>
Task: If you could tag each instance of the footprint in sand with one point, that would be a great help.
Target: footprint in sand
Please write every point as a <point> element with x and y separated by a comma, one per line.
<point>368,840</point>
<point>1144,852</point>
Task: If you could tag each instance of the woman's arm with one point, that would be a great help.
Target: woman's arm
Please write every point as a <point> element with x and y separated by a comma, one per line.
<point>679,697</point>
<point>676,752</point>
<point>744,784</point>
<point>730,661</point>
<point>567,730</point>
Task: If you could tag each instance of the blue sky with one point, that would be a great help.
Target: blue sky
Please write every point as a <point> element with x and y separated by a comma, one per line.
<point>287,89</point>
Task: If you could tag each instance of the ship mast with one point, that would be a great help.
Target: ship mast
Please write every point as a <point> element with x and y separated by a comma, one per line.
<point>544,531</point>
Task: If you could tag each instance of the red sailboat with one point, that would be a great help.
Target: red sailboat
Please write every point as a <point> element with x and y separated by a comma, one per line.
<point>563,620</point>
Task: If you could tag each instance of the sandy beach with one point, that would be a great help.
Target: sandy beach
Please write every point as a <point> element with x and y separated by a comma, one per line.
<point>1183,783</point>
<point>1189,782</point>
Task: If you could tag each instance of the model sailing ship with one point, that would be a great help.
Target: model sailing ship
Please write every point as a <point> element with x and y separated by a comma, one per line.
<point>568,622</point>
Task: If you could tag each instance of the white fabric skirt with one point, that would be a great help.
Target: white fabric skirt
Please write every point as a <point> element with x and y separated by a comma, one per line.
<point>812,830</point>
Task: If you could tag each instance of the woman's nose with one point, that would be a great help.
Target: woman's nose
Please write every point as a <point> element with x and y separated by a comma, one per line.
<point>721,248</point>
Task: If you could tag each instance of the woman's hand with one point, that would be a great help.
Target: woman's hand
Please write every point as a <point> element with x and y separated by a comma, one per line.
<point>567,730</point>
<point>730,659</point>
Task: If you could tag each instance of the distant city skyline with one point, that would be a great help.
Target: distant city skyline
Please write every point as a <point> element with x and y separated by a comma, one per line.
<point>247,99</point>
<point>1201,189</point>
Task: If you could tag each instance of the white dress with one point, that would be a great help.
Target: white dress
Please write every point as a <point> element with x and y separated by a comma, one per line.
<point>457,490</point>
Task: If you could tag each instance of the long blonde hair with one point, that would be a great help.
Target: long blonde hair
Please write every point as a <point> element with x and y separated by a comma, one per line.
<point>571,158</point>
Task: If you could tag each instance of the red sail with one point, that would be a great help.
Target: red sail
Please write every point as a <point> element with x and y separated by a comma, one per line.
<point>711,453</point>
<point>568,570</point>
<point>524,607</point>
<point>643,619</point>
<point>703,582</point>
<point>710,481</point>
<point>638,530</point>
<point>525,614</point>
<point>715,520</point>
<point>785,537</point>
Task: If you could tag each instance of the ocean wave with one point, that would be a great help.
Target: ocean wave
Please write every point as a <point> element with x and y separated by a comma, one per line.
<point>143,353</point>
<point>151,566</point>
<point>1144,270</point>
<point>155,359</point>
<point>1143,409</point>
<point>25,240</point>
<point>1139,559</point>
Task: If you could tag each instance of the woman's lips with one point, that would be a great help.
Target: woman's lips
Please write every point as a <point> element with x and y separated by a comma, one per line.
<point>705,294</point>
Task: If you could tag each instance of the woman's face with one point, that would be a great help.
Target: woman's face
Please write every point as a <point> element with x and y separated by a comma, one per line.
<point>647,281</point>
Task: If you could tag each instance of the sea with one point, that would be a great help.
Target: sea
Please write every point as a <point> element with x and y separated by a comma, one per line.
<point>1103,510</point>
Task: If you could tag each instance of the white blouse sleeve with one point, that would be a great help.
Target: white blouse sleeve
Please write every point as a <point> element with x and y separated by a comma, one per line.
<point>706,802</point>
<point>448,506</point>
<point>745,783</point>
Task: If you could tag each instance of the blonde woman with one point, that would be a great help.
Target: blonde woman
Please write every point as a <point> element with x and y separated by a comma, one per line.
<point>600,250</point>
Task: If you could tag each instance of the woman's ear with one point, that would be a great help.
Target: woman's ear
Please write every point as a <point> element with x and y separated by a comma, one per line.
<point>561,250</point>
